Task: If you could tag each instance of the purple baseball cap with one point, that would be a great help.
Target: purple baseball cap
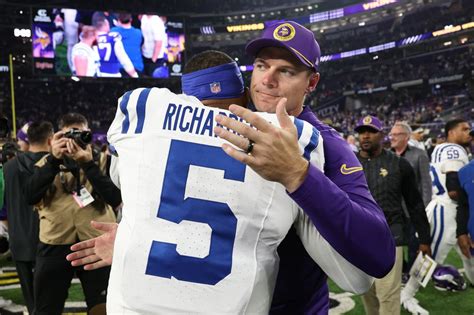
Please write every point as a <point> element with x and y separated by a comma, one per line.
<point>370,122</point>
<point>296,38</point>
<point>22,133</point>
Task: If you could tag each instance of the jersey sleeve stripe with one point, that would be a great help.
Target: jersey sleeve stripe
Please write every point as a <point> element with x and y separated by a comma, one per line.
<point>299,126</point>
<point>438,155</point>
<point>435,222</point>
<point>123,108</point>
<point>440,235</point>
<point>141,109</point>
<point>313,143</point>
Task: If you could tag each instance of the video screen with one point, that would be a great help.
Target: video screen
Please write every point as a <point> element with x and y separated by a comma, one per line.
<point>106,44</point>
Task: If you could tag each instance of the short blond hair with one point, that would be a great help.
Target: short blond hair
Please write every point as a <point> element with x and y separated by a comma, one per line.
<point>88,31</point>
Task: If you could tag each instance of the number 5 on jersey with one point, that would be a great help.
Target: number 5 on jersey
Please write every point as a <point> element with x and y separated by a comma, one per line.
<point>164,260</point>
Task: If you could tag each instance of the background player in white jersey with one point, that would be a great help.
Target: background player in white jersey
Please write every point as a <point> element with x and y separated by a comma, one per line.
<point>70,31</point>
<point>85,59</point>
<point>155,42</point>
<point>110,49</point>
<point>446,160</point>
<point>217,101</point>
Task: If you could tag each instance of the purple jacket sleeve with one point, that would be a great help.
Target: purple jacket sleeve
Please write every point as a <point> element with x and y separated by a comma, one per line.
<point>339,204</point>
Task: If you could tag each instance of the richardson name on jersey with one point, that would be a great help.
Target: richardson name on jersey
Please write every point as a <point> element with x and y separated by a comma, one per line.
<point>192,119</point>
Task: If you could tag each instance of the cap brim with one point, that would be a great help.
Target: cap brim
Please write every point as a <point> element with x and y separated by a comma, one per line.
<point>356,129</point>
<point>258,44</point>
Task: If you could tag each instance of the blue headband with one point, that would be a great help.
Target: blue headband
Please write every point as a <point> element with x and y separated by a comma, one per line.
<point>220,82</point>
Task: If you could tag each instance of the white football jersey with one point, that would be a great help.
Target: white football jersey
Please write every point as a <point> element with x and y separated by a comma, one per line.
<point>199,230</point>
<point>446,157</point>
<point>93,59</point>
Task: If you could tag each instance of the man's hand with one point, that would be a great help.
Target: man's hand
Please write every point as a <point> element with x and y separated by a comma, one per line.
<point>97,252</point>
<point>59,145</point>
<point>275,155</point>
<point>465,244</point>
<point>77,153</point>
<point>425,249</point>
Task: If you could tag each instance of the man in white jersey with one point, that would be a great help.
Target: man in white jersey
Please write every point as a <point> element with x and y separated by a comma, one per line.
<point>446,160</point>
<point>240,289</point>
<point>85,59</point>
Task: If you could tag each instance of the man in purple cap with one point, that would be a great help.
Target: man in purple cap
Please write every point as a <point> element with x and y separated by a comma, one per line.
<point>391,180</point>
<point>337,201</point>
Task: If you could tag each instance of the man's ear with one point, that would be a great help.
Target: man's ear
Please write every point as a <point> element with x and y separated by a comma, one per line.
<point>313,82</point>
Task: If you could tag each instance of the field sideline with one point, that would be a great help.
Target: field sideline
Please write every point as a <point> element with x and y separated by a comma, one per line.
<point>436,302</point>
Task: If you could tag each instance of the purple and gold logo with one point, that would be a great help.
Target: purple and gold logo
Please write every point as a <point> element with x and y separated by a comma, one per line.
<point>215,87</point>
<point>42,38</point>
<point>367,120</point>
<point>284,32</point>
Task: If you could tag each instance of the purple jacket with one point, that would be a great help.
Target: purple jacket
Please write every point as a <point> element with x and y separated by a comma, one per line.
<point>339,204</point>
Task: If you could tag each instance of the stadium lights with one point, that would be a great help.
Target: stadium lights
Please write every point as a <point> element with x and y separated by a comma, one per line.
<point>447,30</point>
<point>376,57</point>
<point>310,7</point>
<point>361,23</point>
<point>75,79</point>
<point>447,43</point>
<point>463,40</point>
<point>21,11</point>
<point>465,26</point>
<point>400,14</point>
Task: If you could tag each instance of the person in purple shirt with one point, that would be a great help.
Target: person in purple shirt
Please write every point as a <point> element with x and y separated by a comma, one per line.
<point>337,201</point>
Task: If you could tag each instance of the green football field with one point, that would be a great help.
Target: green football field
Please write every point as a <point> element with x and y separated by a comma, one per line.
<point>436,302</point>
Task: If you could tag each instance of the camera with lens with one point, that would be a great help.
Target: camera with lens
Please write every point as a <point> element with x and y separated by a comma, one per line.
<point>82,137</point>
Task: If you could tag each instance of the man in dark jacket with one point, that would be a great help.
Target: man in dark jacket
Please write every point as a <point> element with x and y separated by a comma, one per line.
<point>418,159</point>
<point>22,220</point>
<point>391,180</point>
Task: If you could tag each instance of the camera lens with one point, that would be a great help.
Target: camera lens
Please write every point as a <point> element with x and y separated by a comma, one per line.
<point>86,136</point>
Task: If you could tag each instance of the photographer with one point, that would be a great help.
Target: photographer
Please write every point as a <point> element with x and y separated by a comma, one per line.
<point>69,188</point>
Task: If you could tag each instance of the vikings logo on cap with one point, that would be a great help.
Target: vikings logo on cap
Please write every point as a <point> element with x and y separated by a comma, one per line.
<point>367,120</point>
<point>215,87</point>
<point>284,32</point>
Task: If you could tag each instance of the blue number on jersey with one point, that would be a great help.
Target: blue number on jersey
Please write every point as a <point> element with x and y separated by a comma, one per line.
<point>452,154</point>
<point>436,183</point>
<point>163,260</point>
